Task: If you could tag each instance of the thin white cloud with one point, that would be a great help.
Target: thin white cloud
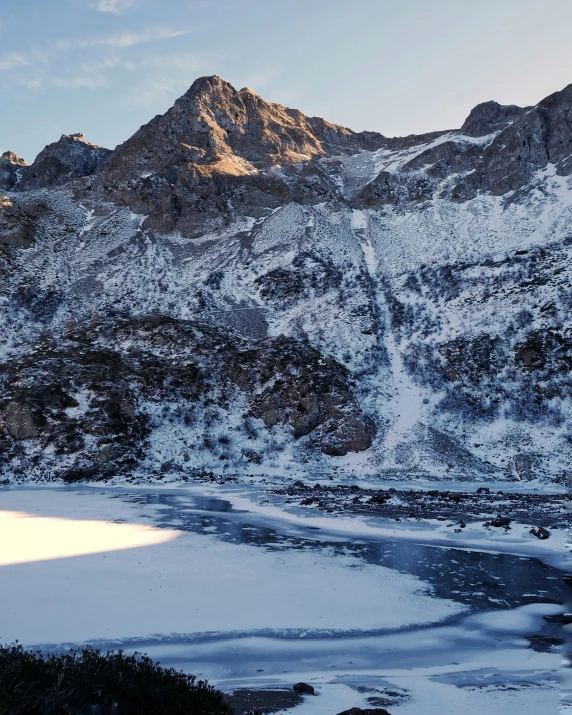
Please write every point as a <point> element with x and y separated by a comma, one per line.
<point>168,76</point>
<point>99,55</point>
<point>80,81</point>
<point>181,61</point>
<point>18,60</point>
<point>114,6</point>
<point>121,40</point>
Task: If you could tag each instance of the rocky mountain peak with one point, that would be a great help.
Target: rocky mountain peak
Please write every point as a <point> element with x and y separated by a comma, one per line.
<point>11,167</point>
<point>77,137</point>
<point>71,157</point>
<point>12,158</point>
<point>231,131</point>
<point>204,86</point>
<point>214,141</point>
<point>539,136</point>
<point>489,117</point>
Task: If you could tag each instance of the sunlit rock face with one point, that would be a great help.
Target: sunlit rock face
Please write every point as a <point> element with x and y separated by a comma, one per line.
<point>11,170</point>
<point>219,153</point>
<point>239,287</point>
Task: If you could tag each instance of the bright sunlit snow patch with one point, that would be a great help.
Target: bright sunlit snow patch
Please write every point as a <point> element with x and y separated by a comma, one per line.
<point>26,538</point>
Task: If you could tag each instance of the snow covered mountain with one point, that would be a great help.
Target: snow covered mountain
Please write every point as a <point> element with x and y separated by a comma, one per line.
<point>239,289</point>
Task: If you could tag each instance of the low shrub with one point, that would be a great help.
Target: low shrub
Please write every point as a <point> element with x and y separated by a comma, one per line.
<point>86,681</point>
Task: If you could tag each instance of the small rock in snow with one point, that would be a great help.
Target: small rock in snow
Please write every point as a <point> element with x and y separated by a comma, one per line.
<point>303,689</point>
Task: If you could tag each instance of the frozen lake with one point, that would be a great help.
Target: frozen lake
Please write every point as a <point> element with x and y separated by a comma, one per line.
<point>221,583</point>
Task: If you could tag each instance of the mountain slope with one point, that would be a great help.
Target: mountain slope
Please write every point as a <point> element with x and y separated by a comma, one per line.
<point>242,288</point>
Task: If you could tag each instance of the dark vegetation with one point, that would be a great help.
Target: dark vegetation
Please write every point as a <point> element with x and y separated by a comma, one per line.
<point>88,681</point>
<point>310,275</point>
<point>521,373</point>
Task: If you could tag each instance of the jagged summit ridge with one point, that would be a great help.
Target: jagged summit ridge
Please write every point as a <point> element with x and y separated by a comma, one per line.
<point>220,152</point>
<point>213,120</point>
<point>217,141</point>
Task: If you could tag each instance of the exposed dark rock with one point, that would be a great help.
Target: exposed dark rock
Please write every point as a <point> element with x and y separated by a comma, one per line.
<point>309,276</point>
<point>20,221</point>
<point>71,157</point>
<point>11,169</point>
<point>366,711</point>
<point>541,135</point>
<point>262,701</point>
<point>540,532</point>
<point>446,506</point>
<point>525,465</point>
<point>446,158</point>
<point>395,189</point>
<point>303,689</point>
<point>286,382</point>
<point>291,382</point>
<point>281,284</point>
<point>490,117</point>
<point>18,421</point>
<point>500,521</point>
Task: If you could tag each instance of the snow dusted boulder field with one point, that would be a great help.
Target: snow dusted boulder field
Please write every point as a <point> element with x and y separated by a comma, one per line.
<point>239,289</point>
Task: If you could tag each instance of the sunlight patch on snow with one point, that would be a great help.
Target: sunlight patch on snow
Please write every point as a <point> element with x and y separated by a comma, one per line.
<point>27,538</point>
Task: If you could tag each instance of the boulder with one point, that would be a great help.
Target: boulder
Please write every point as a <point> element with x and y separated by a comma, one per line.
<point>500,521</point>
<point>303,689</point>
<point>18,421</point>
<point>540,532</point>
<point>366,711</point>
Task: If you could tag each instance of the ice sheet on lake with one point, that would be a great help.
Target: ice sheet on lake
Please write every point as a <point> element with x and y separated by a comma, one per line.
<point>256,616</point>
<point>193,584</point>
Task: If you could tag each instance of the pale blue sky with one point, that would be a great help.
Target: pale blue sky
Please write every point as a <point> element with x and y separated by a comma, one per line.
<point>104,67</point>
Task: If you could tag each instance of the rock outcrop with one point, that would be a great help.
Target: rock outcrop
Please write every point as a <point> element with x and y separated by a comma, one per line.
<point>71,157</point>
<point>289,382</point>
<point>217,153</point>
<point>490,117</point>
<point>539,137</point>
<point>87,403</point>
<point>11,169</point>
